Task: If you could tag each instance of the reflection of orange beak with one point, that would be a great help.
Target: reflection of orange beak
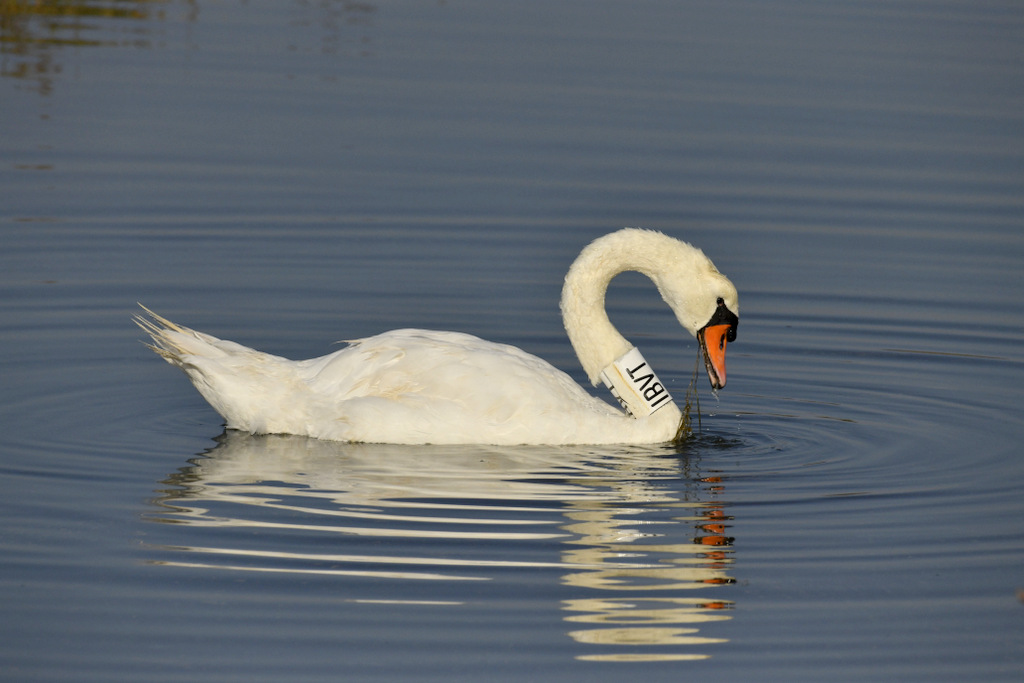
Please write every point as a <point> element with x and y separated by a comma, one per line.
<point>712,339</point>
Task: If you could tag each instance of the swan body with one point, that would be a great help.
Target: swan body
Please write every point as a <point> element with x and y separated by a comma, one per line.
<point>418,386</point>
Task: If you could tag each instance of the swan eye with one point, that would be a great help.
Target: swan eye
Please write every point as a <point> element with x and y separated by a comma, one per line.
<point>724,316</point>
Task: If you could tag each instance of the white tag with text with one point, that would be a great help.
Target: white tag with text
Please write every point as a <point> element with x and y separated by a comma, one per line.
<point>634,384</point>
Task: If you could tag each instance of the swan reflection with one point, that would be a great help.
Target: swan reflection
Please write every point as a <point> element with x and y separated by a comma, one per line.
<point>633,535</point>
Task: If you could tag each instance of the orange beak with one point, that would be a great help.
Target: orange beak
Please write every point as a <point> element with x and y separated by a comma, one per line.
<point>712,340</point>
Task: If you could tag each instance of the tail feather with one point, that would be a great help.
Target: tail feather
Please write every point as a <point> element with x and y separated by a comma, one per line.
<point>177,343</point>
<point>157,327</point>
<point>253,391</point>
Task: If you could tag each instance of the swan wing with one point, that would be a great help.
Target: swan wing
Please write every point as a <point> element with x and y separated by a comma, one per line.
<point>423,386</point>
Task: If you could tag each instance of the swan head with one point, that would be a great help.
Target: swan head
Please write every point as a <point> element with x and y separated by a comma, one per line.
<point>705,303</point>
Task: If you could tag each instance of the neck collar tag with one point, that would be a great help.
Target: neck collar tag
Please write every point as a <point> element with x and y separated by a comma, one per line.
<point>634,384</point>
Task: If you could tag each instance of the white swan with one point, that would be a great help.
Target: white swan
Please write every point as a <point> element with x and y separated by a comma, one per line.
<point>418,386</point>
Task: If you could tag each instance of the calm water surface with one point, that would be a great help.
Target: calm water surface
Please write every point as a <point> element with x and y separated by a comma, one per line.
<point>294,173</point>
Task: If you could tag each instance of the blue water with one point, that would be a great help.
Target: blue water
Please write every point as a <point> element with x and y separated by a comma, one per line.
<point>291,174</point>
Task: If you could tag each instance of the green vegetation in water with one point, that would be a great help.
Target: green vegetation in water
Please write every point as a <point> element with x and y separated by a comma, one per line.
<point>690,405</point>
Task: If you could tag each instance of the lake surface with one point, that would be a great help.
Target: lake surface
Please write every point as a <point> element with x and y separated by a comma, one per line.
<point>288,174</point>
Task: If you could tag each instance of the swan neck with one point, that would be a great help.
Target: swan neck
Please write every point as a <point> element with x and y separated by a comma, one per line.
<point>593,336</point>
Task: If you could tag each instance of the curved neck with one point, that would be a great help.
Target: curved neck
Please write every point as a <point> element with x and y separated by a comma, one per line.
<point>596,341</point>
